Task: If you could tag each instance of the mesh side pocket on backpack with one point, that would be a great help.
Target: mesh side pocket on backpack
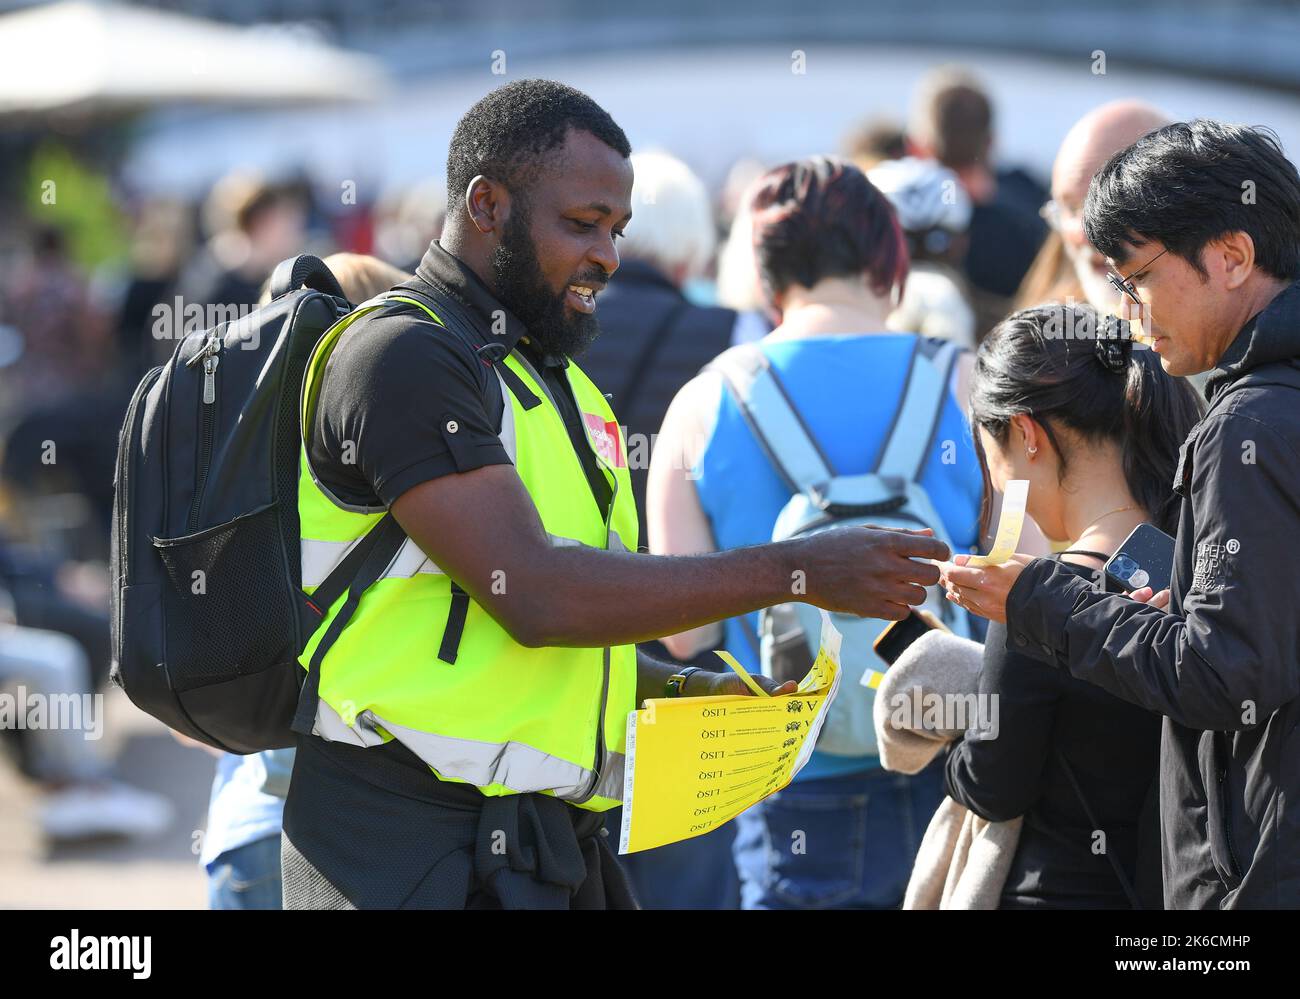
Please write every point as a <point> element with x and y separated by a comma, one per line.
<point>227,606</point>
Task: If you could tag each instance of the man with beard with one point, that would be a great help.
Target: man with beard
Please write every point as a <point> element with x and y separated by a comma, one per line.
<point>470,719</point>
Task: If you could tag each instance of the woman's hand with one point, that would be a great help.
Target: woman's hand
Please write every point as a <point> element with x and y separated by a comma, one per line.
<point>706,684</point>
<point>982,589</point>
<point>1146,596</point>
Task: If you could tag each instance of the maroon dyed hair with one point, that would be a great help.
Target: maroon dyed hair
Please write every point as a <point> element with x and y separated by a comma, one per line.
<point>820,218</point>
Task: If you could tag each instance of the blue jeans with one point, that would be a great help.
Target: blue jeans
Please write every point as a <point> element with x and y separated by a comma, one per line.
<point>696,873</point>
<point>838,842</point>
<point>247,877</point>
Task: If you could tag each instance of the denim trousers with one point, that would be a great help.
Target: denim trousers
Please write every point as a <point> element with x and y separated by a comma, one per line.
<point>696,873</point>
<point>247,877</point>
<point>836,842</point>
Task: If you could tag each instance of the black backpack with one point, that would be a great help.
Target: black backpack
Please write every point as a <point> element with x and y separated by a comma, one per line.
<point>208,612</point>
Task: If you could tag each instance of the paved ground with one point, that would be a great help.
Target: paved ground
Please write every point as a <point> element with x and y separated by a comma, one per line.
<point>162,873</point>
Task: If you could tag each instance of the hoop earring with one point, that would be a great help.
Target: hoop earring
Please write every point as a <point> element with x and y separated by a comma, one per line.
<point>1031,450</point>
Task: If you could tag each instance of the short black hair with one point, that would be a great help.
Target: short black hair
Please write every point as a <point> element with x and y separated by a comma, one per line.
<point>505,133</point>
<point>1189,183</point>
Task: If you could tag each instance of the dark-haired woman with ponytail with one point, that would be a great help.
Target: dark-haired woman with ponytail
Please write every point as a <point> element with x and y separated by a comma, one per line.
<point>1095,426</point>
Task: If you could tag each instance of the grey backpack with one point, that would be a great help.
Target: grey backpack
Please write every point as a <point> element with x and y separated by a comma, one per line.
<point>890,495</point>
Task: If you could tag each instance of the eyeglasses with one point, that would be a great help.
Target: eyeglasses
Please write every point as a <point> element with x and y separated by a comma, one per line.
<point>1124,285</point>
<point>1051,214</point>
<point>1061,217</point>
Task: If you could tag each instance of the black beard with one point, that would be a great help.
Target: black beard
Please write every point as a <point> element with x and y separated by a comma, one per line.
<point>519,284</point>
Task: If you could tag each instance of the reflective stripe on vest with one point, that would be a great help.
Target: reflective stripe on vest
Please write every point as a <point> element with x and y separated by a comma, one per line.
<point>320,557</point>
<point>514,765</point>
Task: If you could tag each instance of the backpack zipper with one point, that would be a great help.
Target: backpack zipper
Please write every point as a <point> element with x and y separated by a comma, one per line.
<point>209,355</point>
<point>124,463</point>
<point>123,488</point>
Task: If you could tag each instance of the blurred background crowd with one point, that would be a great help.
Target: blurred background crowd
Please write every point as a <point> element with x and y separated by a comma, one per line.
<point>158,159</point>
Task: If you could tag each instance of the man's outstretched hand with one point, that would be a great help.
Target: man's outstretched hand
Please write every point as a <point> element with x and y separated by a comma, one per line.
<point>867,571</point>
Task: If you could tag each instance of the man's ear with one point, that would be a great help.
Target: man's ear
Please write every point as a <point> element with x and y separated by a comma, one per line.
<point>1233,255</point>
<point>487,203</point>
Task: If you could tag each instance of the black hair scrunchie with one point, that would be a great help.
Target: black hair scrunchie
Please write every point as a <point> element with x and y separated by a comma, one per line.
<point>1114,344</point>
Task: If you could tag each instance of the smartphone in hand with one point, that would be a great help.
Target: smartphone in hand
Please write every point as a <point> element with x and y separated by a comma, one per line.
<point>899,635</point>
<point>1146,558</point>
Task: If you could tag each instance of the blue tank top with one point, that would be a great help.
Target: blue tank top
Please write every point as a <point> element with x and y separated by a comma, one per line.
<point>847,388</point>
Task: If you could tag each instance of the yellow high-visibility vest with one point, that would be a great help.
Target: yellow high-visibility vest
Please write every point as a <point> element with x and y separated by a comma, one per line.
<point>503,717</point>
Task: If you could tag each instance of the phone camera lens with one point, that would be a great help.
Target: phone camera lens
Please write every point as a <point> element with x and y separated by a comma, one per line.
<point>1123,567</point>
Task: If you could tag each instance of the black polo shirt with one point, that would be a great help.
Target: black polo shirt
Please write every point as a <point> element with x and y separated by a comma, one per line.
<point>396,380</point>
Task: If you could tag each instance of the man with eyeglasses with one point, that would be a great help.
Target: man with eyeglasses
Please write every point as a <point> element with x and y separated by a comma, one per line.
<point>1092,140</point>
<point>1200,223</point>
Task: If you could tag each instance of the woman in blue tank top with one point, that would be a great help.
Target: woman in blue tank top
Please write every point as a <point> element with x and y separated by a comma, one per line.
<point>831,259</point>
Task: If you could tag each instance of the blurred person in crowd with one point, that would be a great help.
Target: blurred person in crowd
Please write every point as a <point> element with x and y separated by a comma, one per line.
<point>65,336</point>
<point>363,276</point>
<point>1068,266</point>
<point>252,225</point>
<point>875,141</point>
<point>831,257</point>
<point>45,593</point>
<point>738,285</point>
<point>59,407</point>
<point>733,198</point>
<point>46,678</point>
<point>1052,277</point>
<point>360,275</point>
<point>1095,427</point>
<point>161,243</point>
<point>1201,223</point>
<point>934,212</point>
<point>654,341</point>
<point>408,220</point>
<point>241,846</point>
<point>952,121</point>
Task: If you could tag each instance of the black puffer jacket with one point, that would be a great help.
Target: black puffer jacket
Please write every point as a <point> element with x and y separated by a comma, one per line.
<point>1223,666</point>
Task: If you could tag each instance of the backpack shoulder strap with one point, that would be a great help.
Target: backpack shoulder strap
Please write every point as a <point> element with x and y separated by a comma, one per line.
<point>770,414</point>
<point>916,420</point>
<point>357,572</point>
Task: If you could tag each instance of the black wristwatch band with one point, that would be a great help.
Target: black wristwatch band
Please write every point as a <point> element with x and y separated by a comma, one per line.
<point>677,682</point>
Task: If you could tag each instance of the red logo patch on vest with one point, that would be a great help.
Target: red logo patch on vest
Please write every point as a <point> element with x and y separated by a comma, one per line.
<point>604,438</point>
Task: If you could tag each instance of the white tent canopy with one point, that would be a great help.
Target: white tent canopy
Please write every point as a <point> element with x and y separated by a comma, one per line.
<point>88,56</point>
